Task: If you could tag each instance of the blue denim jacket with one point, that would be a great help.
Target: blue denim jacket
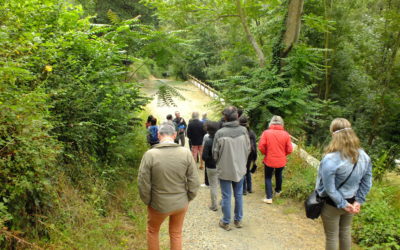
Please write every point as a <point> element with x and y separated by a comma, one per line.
<point>334,169</point>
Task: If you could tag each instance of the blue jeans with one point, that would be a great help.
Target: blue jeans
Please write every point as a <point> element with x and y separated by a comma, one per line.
<point>226,190</point>
<point>268,171</point>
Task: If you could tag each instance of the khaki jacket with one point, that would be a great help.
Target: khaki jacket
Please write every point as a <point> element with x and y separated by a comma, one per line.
<point>168,177</point>
<point>231,148</point>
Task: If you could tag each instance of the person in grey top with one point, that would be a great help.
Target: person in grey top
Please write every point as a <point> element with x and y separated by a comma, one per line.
<point>343,158</point>
<point>231,147</point>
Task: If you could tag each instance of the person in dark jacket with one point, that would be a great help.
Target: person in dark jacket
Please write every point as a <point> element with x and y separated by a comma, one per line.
<point>195,133</point>
<point>247,184</point>
<point>180,126</point>
<point>209,161</point>
<point>152,135</point>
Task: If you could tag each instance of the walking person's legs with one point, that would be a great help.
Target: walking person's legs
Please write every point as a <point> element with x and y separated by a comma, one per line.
<point>226,191</point>
<point>154,221</point>
<point>206,181</point>
<point>268,181</point>
<point>247,184</point>
<point>278,179</point>
<point>175,228</point>
<point>213,180</point>
<point>238,193</point>
<point>181,137</point>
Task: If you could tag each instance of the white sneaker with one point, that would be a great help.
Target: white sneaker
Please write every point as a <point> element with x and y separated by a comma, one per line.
<point>268,201</point>
<point>277,194</point>
<point>203,185</point>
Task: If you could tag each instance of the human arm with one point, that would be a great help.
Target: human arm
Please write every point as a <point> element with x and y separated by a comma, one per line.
<point>289,146</point>
<point>144,179</point>
<point>365,184</point>
<point>207,154</point>
<point>262,144</point>
<point>328,174</point>
<point>192,178</point>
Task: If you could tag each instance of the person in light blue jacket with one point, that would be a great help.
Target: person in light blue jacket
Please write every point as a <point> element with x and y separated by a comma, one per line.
<point>345,164</point>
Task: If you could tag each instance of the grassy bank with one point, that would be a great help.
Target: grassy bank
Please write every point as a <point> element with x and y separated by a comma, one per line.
<point>103,212</point>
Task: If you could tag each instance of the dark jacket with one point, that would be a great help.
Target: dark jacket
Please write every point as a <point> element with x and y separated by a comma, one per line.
<point>195,132</point>
<point>180,125</point>
<point>253,143</point>
<point>207,153</point>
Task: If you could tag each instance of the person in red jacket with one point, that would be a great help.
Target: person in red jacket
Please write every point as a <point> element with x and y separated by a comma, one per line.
<point>275,144</point>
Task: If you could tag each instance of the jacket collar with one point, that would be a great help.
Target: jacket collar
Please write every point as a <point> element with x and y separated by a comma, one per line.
<point>164,145</point>
<point>276,127</point>
<point>231,124</point>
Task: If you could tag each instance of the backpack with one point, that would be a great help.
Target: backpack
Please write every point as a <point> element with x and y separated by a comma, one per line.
<point>153,134</point>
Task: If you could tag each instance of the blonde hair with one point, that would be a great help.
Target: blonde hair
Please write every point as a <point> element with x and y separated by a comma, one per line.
<point>344,140</point>
<point>276,120</point>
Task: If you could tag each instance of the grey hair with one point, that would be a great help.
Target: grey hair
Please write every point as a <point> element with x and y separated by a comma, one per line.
<point>167,129</point>
<point>195,115</point>
<point>276,120</point>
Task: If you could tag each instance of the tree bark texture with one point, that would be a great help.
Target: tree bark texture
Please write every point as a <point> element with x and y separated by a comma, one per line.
<point>249,35</point>
<point>293,22</point>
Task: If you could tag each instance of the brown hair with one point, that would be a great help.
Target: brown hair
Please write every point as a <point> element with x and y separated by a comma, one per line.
<point>344,139</point>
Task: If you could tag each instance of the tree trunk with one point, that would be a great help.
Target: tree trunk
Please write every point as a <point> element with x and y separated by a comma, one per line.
<point>249,35</point>
<point>293,22</point>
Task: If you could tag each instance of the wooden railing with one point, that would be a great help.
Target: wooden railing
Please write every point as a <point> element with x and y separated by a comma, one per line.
<point>211,92</point>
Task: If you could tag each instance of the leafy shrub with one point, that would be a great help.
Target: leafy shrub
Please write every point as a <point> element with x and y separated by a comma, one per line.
<point>377,226</point>
<point>299,178</point>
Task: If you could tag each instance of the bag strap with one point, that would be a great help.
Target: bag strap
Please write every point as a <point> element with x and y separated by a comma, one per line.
<point>347,176</point>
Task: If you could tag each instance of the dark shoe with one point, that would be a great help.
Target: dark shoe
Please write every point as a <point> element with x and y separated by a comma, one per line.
<point>238,224</point>
<point>225,226</point>
<point>250,191</point>
<point>244,193</point>
<point>213,208</point>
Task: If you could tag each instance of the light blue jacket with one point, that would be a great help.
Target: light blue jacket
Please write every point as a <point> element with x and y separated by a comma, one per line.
<point>334,169</point>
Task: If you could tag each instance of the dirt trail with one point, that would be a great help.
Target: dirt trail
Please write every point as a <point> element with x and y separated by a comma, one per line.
<point>281,225</point>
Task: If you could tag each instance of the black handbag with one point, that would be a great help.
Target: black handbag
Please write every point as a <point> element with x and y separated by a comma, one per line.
<point>314,203</point>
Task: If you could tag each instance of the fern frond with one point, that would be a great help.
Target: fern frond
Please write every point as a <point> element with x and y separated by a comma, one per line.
<point>113,17</point>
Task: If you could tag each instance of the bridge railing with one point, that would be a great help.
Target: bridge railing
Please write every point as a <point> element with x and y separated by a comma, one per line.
<point>211,92</point>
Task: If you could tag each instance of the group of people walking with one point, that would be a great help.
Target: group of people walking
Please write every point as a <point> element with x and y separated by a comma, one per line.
<point>168,175</point>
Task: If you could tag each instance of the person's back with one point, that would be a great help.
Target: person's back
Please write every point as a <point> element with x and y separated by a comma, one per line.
<point>170,165</point>
<point>195,132</point>
<point>276,144</point>
<point>167,181</point>
<point>230,151</point>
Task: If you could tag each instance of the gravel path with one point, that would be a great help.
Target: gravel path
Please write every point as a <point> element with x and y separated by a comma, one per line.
<point>281,225</point>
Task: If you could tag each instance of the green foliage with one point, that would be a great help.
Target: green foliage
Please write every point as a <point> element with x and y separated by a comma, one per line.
<point>299,178</point>
<point>377,226</point>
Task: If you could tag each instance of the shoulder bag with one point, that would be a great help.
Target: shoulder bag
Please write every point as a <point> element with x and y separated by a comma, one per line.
<point>314,203</point>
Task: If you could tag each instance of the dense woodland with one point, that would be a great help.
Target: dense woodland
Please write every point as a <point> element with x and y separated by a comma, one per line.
<point>71,106</point>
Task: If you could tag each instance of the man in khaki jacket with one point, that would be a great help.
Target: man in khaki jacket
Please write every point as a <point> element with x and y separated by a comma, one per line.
<point>168,180</point>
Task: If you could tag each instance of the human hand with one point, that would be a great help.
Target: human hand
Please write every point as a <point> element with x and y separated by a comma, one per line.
<point>357,207</point>
<point>350,208</point>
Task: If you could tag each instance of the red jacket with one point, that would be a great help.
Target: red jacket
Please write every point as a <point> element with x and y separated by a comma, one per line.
<point>275,144</point>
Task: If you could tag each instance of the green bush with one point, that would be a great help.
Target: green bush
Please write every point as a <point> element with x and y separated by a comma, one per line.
<point>377,226</point>
<point>299,178</point>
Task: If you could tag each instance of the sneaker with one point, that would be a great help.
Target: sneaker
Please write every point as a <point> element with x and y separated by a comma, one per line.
<point>268,201</point>
<point>277,194</point>
<point>250,191</point>
<point>238,224</point>
<point>244,193</point>
<point>203,185</point>
<point>213,208</point>
<point>225,226</point>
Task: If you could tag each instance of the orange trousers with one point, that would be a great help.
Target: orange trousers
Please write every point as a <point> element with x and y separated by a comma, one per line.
<point>154,221</point>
